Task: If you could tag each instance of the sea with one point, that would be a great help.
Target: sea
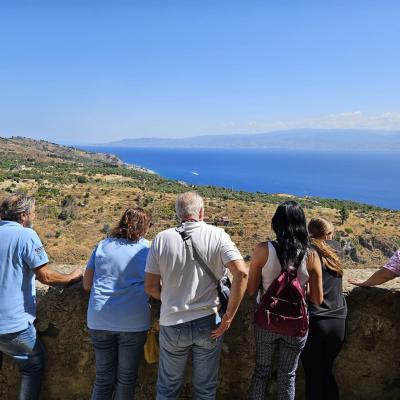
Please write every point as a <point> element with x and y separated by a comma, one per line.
<point>370,177</point>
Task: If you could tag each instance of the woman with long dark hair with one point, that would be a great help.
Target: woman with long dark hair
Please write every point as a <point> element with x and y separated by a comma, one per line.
<point>268,261</point>
<point>118,312</point>
<point>327,320</point>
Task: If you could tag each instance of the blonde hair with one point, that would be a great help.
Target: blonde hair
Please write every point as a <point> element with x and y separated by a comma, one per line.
<point>318,228</point>
<point>133,224</point>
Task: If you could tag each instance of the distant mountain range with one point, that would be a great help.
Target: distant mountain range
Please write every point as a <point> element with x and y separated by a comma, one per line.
<point>312,139</point>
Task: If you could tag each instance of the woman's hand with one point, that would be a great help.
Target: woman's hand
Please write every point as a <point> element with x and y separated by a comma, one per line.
<point>380,276</point>
<point>357,282</point>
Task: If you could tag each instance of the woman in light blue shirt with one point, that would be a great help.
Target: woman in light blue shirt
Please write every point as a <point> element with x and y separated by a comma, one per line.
<point>118,313</point>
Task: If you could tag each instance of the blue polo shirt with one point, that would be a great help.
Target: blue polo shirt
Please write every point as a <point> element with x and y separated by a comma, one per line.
<point>20,252</point>
<point>118,301</point>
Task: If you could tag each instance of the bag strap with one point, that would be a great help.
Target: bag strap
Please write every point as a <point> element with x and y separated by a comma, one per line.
<point>187,239</point>
<point>299,259</point>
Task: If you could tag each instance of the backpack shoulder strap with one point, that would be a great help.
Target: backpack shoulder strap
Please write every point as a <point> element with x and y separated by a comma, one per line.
<point>196,256</point>
<point>299,259</point>
<point>278,253</point>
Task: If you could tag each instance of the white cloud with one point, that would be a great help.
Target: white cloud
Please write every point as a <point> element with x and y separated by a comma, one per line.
<point>344,120</point>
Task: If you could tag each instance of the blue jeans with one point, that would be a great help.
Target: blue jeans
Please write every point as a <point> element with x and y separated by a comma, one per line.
<point>118,355</point>
<point>176,342</point>
<point>25,348</point>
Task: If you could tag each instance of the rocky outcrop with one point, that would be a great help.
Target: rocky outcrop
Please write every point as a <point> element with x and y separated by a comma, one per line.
<point>350,250</point>
<point>365,242</point>
<point>367,368</point>
<point>385,245</point>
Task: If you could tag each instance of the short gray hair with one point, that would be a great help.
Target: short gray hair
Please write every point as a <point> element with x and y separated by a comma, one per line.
<point>13,206</point>
<point>188,204</point>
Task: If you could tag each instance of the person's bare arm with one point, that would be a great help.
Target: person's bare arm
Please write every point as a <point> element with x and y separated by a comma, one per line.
<point>152,285</point>
<point>88,279</point>
<point>240,273</point>
<point>316,291</point>
<point>48,276</point>
<point>380,276</point>
<point>258,260</point>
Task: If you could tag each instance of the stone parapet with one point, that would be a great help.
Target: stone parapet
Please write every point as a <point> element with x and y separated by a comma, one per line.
<point>368,367</point>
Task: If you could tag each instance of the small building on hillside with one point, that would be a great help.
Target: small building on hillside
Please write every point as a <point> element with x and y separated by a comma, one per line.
<point>222,221</point>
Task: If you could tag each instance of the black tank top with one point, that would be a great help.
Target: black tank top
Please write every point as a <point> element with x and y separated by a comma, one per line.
<point>334,304</point>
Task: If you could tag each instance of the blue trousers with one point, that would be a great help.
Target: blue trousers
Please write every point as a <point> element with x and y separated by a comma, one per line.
<point>176,342</point>
<point>25,348</point>
<point>118,355</point>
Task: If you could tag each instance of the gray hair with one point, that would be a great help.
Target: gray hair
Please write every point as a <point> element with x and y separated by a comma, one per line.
<point>13,206</point>
<point>188,204</point>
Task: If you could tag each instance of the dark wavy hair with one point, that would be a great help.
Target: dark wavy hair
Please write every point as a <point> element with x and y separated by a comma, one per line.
<point>290,226</point>
<point>133,225</point>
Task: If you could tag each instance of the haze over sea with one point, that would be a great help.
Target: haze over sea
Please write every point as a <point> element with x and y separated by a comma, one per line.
<point>368,177</point>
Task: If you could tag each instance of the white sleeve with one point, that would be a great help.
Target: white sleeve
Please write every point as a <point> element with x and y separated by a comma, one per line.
<point>152,263</point>
<point>228,250</point>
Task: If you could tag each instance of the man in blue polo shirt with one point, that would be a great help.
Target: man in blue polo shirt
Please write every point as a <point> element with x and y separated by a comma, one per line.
<point>22,258</point>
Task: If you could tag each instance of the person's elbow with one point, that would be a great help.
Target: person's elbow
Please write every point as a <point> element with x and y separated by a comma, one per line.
<point>239,270</point>
<point>43,274</point>
<point>87,286</point>
<point>152,284</point>
<point>316,298</point>
<point>253,286</point>
<point>147,288</point>
<point>251,291</point>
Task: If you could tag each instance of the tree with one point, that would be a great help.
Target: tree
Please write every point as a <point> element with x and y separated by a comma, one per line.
<point>83,179</point>
<point>344,214</point>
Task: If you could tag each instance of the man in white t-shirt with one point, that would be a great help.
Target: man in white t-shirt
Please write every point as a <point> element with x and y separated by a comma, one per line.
<point>189,312</point>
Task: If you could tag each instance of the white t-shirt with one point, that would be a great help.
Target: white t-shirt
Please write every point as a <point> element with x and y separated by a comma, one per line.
<point>188,293</point>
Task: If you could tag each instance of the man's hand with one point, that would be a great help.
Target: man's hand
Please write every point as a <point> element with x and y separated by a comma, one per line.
<point>45,274</point>
<point>223,327</point>
<point>75,276</point>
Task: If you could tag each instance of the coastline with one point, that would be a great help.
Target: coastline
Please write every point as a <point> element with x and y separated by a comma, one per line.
<point>183,179</point>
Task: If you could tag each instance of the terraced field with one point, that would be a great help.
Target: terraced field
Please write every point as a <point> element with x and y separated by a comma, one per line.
<point>81,195</point>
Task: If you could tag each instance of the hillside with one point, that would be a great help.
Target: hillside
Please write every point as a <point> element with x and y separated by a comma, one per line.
<point>41,150</point>
<point>305,139</point>
<point>80,195</point>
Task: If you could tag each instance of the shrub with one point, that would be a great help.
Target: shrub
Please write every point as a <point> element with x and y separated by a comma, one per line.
<point>105,229</point>
<point>344,214</point>
<point>82,179</point>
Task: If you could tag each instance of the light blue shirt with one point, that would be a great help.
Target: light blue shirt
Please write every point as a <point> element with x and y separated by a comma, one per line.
<point>118,301</point>
<point>20,252</point>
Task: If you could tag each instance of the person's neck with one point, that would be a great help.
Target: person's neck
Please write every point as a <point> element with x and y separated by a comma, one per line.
<point>190,220</point>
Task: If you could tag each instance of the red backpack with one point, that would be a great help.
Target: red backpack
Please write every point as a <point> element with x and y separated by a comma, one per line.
<point>283,308</point>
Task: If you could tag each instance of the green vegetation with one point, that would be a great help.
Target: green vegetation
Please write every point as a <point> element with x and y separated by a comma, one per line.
<point>82,179</point>
<point>79,199</point>
<point>65,173</point>
<point>344,214</point>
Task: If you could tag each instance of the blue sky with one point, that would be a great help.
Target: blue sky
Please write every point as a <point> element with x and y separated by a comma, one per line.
<point>94,71</point>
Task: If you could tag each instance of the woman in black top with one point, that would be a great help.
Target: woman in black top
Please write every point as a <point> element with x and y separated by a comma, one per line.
<point>328,320</point>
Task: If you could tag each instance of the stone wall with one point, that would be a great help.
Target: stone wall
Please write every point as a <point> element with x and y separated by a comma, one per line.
<point>368,367</point>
